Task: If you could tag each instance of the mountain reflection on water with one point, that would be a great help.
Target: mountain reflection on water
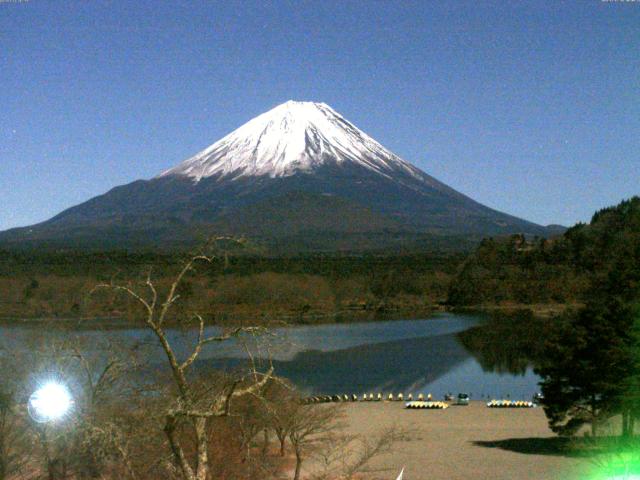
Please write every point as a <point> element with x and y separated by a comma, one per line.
<point>429,362</point>
<point>390,366</point>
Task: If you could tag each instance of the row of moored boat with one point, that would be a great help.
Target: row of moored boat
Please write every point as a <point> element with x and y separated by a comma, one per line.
<point>366,398</point>
<point>510,404</point>
<point>422,402</point>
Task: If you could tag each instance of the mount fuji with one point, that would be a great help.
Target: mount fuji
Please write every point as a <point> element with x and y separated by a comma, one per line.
<point>298,177</point>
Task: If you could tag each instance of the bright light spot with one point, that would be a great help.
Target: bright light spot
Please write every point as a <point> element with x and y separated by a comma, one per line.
<point>50,402</point>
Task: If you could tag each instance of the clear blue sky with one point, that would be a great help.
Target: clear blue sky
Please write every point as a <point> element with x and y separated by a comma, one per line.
<point>532,108</point>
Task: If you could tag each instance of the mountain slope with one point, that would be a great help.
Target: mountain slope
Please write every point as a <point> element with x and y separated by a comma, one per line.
<point>299,169</point>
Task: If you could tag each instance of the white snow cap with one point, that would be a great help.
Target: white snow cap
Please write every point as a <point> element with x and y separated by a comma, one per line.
<point>290,138</point>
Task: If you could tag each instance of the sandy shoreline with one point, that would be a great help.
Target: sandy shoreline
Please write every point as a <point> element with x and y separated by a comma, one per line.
<point>473,442</point>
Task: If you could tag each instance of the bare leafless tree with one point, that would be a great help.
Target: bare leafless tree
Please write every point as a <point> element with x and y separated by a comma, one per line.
<point>310,426</point>
<point>281,402</point>
<point>14,434</point>
<point>345,457</point>
<point>192,405</point>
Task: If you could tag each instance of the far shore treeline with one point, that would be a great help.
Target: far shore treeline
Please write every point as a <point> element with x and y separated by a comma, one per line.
<point>302,288</point>
<point>504,273</point>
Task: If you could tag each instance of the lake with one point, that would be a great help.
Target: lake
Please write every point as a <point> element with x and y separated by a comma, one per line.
<point>410,356</point>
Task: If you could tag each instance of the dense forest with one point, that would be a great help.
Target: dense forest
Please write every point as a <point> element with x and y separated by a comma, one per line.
<point>557,270</point>
<point>305,288</point>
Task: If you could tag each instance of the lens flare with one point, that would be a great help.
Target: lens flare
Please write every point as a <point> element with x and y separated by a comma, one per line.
<point>622,465</point>
<point>50,402</point>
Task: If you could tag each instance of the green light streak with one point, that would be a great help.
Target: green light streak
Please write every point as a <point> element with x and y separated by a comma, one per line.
<point>622,465</point>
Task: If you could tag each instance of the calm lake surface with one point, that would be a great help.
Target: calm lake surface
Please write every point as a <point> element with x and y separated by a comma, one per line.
<point>418,356</point>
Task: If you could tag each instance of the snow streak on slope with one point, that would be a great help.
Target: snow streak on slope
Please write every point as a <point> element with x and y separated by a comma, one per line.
<point>292,137</point>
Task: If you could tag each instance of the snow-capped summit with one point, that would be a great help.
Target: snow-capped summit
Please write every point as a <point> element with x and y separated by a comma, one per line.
<point>291,138</point>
